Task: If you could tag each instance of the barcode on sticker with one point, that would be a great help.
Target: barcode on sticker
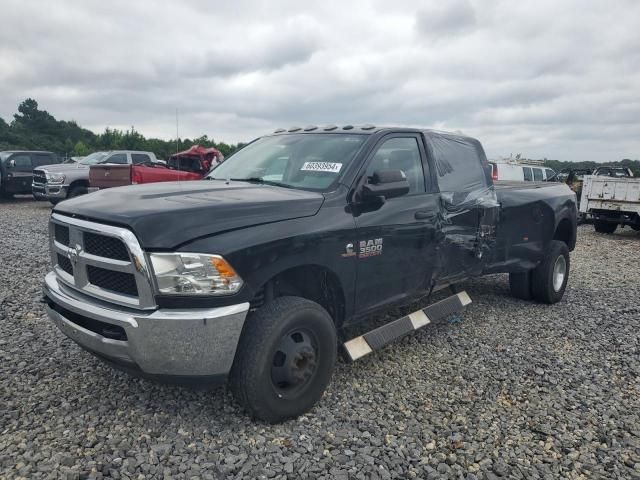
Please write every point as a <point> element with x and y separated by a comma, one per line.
<point>321,167</point>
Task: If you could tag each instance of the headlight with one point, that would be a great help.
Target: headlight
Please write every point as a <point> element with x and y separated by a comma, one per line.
<point>194,274</point>
<point>55,178</point>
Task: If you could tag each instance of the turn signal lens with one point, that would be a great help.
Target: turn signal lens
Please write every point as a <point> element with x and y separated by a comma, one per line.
<point>224,269</point>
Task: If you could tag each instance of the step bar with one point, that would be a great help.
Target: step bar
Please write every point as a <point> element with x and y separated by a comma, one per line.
<point>376,339</point>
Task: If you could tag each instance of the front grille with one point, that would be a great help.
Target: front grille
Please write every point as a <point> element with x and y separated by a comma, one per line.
<point>101,261</point>
<point>102,246</point>
<point>39,177</point>
<point>65,264</point>
<point>62,234</point>
<point>118,282</point>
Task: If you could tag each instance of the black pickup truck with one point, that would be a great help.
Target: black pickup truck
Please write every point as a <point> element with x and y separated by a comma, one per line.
<point>254,273</point>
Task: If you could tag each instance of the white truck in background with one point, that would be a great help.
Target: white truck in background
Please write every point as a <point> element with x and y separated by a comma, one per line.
<point>611,201</point>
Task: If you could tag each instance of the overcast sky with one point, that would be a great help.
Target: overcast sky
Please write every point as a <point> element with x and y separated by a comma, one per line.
<point>550,78</point>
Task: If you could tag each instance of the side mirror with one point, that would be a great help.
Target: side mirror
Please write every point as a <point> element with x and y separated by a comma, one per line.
<point>387,184</point>
<point>12,163</point>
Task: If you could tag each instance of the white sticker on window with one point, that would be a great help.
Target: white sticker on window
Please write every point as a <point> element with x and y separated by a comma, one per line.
<point>321,167</point>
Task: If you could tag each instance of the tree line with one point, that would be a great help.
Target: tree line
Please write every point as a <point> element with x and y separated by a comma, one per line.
<point>35,129</point>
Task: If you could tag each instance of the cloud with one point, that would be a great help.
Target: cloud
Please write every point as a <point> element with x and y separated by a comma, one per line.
<point>545,78</point>
<point>442,18</point>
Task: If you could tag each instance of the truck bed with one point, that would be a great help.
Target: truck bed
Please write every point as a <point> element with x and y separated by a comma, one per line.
<point>610,193</point>
<point>529,213</point>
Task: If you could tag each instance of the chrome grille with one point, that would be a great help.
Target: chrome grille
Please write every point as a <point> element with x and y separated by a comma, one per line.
<point>108,247</point>
<point>39,177</point>
<point>61,234</point>
<point>65,264</point>
<point>119,282</point>
<point>99,260</point>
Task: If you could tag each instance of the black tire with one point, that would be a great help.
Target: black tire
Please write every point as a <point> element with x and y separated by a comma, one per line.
<point>257,377</point>
<point>602,226</point>
<point>520,285</point>
<point>543,287</point>
<point>77,190</point>
<point>636,227</point>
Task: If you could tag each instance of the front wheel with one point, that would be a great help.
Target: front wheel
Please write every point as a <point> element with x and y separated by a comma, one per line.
<point>284,360</point>
<point>549,279</point>
<point>76,191</point>
<point>602,226</point>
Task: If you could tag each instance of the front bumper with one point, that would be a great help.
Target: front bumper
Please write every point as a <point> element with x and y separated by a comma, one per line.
<point>184,343</point>
<point>44,191</point>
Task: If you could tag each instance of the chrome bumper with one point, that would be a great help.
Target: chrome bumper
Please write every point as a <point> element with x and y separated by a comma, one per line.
<point>194,342</point>
<point>44,191</point>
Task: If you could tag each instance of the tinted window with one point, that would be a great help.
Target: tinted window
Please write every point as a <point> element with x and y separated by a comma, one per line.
<point>22,160</point>
<point>459,161</point>
<point>550,173</point>
<point>42,159</point>
<point>117,158</point>
<point>537,174</point>
<point>528,175</point>
<point>140,158</point>
<point>400,154</point>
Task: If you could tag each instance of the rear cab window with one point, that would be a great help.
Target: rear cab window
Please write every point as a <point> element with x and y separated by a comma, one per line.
<point>461,163</point>
<point>137,158</point>
<point>537,174</point>
<point>119,158</point>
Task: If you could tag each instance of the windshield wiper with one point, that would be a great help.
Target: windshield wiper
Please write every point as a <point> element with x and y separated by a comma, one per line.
<point>258,180</point>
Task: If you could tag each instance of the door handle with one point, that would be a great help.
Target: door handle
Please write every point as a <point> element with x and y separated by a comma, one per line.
<point>423,215</point>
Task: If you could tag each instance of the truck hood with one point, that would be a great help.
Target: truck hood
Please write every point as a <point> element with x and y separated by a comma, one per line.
<point>165,215</point>
<point>63,168</point>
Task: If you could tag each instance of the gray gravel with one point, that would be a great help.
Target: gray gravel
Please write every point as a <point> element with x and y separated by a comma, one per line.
<point>509,389</point>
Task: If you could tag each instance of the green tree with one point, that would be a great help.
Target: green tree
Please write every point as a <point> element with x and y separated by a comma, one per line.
<point>81,150</point>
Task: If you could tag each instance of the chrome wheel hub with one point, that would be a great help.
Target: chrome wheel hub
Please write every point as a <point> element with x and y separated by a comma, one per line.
<point>559,272</point>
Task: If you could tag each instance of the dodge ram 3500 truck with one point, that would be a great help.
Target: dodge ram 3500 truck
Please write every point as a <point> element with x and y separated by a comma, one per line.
<point>254,273</point>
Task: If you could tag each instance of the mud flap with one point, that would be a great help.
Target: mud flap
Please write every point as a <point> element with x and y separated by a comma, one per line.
<point>384,335</point>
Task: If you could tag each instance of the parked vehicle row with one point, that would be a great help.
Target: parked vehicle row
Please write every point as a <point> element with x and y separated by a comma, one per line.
<point>68,180</point>
<point>520,171</point>
<point>255,272</point>
<point>191,164</point>
<point>118,168</point>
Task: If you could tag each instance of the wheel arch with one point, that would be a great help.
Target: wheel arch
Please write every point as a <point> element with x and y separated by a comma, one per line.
<point>312,281</point>
<point>565,231</point>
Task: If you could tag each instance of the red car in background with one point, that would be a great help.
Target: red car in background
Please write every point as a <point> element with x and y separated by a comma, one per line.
<point>191,164</point>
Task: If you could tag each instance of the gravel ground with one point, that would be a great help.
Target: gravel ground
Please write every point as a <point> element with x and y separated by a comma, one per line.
<point>509,389</point>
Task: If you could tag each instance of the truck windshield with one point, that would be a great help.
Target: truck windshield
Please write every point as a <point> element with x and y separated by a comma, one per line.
<point>94,158</point>
<point>304,161</point>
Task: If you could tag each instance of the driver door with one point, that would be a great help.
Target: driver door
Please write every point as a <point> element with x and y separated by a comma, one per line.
<point>395,243</point>
<point>19,173</point>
